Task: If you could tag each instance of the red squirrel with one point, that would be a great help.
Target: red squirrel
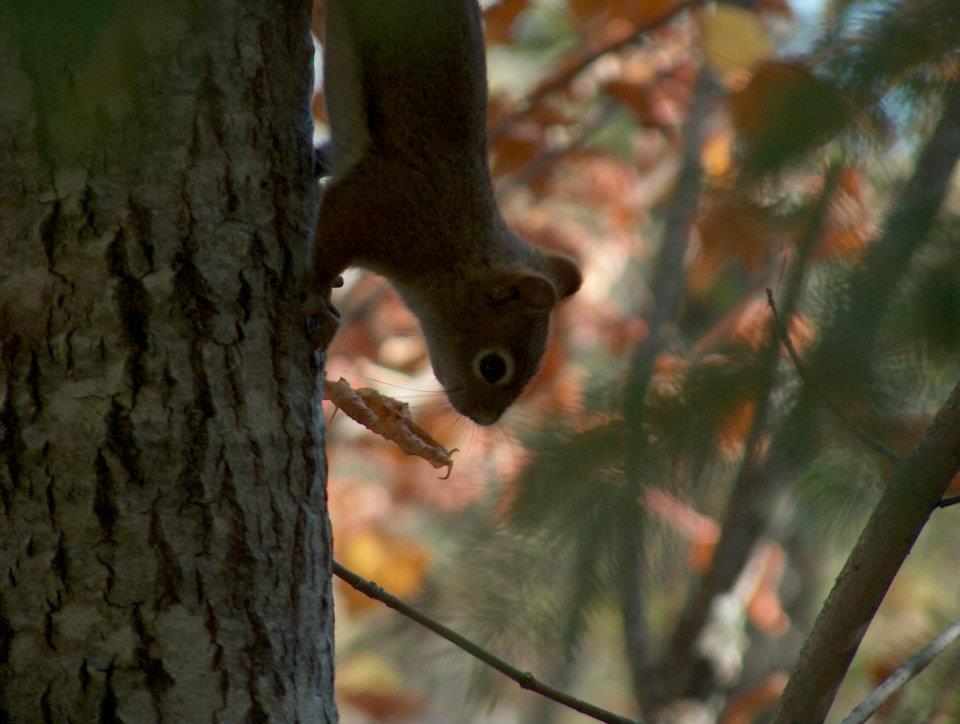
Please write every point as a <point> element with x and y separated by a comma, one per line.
<point>410,197</point>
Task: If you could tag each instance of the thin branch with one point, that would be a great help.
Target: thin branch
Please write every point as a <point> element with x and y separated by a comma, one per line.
<point>667,290</point>
<point>913,666</point>
<point>918,483</point>
<point>866,438</point>
<point>561,79</point>
<point>684,672</point>
<point>525,679</point>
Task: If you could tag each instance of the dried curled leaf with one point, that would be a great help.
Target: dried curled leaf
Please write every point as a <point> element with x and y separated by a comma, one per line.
<point>390,419</point>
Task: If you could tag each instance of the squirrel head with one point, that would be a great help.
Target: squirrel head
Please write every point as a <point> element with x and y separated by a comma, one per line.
<point>487,341</point>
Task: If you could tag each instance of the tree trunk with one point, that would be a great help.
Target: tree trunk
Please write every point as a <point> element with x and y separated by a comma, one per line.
<point>164,543</point>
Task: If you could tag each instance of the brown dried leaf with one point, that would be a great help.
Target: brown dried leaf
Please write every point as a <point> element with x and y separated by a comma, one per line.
<point>390,419</point>
<point>517,147</point>
<point>735,227</point>
<point>747,705</point>
<point>377,687</point>
<point>849,225</point>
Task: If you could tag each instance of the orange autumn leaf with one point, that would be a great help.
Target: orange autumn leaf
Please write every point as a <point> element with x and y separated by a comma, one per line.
<point>849,224</point>
<point>734,227</point>
<point>749,326</point>
<point>647,103</point>
<point>396,563</point>
<point>766,612</point>
<point>734,425</point>
<point>669,373</point>
<point>389,418</point>
<point>375,686</point>
<point>702,531</point>
<point>516,147</point>
<point>717,154</point>
<point>747,705</point>
<point>546,114</point>
<point>763,607</point>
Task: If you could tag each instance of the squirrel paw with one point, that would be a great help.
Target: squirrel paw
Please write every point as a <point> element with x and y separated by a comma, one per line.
<point>322,318</point>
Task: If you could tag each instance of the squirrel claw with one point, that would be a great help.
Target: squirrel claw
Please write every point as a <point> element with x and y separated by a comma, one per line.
<point>323,320</point>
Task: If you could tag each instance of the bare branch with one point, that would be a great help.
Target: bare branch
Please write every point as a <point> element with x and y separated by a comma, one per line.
<point>667,288</point>
<point>525,679</point>
<point>866,438</point>
<point>919,481</point>
<point>913,666</point>
<point>746,519</point>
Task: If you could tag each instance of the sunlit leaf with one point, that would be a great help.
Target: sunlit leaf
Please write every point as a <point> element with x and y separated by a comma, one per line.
<point>733,38</point>
<point>375,686</point>
<point>717,154</point>
<point>396,563</point>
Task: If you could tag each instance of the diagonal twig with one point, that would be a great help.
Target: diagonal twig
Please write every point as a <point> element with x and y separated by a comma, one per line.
<point>866,438</point>
<point>525,679</point>
<point>913,666</point>
<point>666,292</point>
<point>747,518</point>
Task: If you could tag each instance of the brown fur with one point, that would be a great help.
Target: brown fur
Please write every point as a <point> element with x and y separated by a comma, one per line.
<point>411,196</point>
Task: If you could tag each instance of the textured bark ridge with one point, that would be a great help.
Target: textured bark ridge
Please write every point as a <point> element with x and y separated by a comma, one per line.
<point>164,544</point>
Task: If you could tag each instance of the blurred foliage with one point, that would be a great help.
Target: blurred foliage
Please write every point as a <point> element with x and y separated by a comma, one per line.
<point>523,547</point>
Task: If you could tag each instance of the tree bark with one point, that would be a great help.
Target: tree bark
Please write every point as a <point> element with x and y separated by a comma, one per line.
<point>164,542</point>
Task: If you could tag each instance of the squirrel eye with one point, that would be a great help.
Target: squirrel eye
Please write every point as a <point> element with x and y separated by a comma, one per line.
<point>494,366</point>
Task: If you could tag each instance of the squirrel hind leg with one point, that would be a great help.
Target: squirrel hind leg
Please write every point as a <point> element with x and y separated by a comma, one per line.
<point>322,327</point>
<point>322,319</point>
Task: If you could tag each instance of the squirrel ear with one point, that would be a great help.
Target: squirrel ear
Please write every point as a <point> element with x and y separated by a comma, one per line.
<point>534,291</point>
<point>564,273</point>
